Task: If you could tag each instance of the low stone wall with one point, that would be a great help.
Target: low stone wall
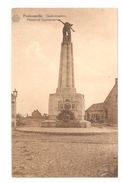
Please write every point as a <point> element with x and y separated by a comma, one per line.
<point>85,124</point>
<point>65,124</point>
<point>48,123</point>
<point>32,122</point>
<point>29,122</point>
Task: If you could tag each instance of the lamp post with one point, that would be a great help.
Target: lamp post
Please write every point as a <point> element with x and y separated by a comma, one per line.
<point>14,96</point>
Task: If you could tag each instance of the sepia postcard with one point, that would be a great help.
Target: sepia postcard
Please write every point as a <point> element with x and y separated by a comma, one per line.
<point>64,96</point>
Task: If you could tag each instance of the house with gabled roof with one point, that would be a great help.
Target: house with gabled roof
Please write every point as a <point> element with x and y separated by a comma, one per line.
<point>95,113</point>
<point>107,111</point>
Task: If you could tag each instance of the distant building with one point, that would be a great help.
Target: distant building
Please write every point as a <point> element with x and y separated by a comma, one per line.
<point>107,111</point>
<point>36,114</point>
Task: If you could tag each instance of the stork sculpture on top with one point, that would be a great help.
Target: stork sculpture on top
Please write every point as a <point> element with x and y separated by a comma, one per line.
<point>67,31</point>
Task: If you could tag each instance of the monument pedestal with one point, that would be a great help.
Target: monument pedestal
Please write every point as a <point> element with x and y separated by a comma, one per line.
<point>73,102</point>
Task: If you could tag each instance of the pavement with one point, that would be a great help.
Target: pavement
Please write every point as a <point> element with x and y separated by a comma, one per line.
<point>68,131</point>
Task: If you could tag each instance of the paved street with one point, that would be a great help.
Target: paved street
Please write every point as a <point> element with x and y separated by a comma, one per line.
<point>44,155</point>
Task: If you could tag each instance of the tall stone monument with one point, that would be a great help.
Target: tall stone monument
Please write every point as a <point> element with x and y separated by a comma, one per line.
<point>66,102</point>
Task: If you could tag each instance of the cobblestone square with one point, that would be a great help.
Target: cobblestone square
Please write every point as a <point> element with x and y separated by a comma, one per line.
<point>43,155</point>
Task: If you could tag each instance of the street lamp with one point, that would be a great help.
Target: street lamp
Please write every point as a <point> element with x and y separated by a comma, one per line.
<point>14,95</point>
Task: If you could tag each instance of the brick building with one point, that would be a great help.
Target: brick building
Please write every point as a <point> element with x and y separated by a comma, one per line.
<point>95,113</point>
<point>111,105</point>
<point>107,111</point>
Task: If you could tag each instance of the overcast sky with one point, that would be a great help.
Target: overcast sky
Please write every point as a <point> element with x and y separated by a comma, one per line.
<point>36,54</point>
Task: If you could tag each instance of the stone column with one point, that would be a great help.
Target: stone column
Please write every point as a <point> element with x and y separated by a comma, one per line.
<point>64,65</point>
<point>69,66</point>
<point>66,70</point>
